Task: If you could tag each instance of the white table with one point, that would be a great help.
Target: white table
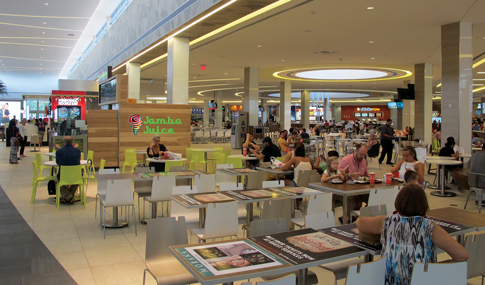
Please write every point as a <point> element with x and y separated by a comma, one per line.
<point>462,156</point>
<point>50,155</point>
<point>441,176</point>
<point>155,160</point>
<point>433,157</point>
<point>54,164</point>
<point>476,149</point>
<point>247,157</point>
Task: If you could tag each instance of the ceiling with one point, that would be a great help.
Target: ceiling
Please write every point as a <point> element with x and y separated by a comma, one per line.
<point>300,33</point>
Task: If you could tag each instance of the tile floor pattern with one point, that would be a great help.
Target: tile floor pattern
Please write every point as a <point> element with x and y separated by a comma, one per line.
<point>75,239</point>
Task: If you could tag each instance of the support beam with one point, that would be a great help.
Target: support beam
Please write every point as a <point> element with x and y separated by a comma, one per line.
<point>133,72</point>
<point>305,108</point>
<point>423,77</point>
<point>251,94</point>
<point>178,71</point>
<point>285,105</point>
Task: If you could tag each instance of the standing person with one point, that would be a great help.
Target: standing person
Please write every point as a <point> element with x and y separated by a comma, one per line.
<point>386,142</point>
<point>67,155</point>
<point>14,143</point>
<point>41,125</point>
<point>23,134</point>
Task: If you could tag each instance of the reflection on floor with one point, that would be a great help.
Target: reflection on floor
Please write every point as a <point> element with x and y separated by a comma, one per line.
<point>75,239</point>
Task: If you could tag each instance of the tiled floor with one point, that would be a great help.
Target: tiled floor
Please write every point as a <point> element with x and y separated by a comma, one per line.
<point>75,239</point>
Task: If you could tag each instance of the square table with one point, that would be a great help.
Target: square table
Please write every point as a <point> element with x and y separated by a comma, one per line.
<point>277,171</point>
<point>345,190</point>
<point>459,216</point>
<point>238,172</point>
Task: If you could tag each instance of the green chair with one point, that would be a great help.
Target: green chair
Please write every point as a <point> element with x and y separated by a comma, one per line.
<point>102,164</point>
<point>40,163</point>
<point>169,164</point>
<point>235,161</point>
<point>70,175</point>
<point>130,160</point>
<point>91,167</point>
<point>188,155</point>
<point>37,179</point>
<point>198,157</point>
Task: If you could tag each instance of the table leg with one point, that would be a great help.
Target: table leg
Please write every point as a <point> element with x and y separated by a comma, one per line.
<point>303,276</point>
<point>293,207</point>
<point>228,283</point>
<point>442,185</point>
<point>344,209</point>
<point>368,258</point>
<point>461,239</point>
<point>438,179</point>
<point>154,210</point>
<point>115,222</point>
<point>249,217</point>
<point>202,217</point>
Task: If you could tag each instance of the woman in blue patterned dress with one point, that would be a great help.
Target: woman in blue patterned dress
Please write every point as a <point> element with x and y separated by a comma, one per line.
<point>408,236</point>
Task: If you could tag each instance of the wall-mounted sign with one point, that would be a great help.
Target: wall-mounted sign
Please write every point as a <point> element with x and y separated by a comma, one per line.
<point>153,126</point>
<point>367,109</point>
<point>68,101</point>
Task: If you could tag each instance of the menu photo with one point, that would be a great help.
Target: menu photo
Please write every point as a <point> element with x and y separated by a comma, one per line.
<point>240,195</point>
<point>227,258</point>
<point>296,190</point>
<point>350,233</point>
<point>303,246</point>
<point>450,227</point>
<point>202,198</point>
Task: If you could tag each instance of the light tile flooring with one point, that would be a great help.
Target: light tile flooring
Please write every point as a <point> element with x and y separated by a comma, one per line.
<point>74,236</point>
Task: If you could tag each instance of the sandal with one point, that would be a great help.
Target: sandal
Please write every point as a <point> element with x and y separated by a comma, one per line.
<point>72,201</point>
<point>63,201</point>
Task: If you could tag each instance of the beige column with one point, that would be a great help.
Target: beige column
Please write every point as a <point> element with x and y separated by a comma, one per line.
<point>285,105</point>
<point>423,78</point>
<point>305,108</point>
<point>207,112</point>
<point>264,115</point>
<point>133,72</point>
<point>251,94</point>
<point>457,83</point>
<point>218,116</point>
<point>178,71</point>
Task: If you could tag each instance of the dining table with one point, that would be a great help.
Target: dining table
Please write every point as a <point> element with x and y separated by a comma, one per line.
<point>459,216</point>
<point>275,170</point>
<point>440,178</point>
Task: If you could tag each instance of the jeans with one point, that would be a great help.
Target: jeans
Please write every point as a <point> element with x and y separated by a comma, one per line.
<point>22,144</point>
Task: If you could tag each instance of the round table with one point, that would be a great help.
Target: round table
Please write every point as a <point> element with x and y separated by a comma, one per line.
<point>243,157</point>
<point>441,176</point>
<point>476,149</point>
<point>54,164</point>
<point>164,160</point>
<point>50,155</point>
<point>462,156</point>
<point>433,157</point>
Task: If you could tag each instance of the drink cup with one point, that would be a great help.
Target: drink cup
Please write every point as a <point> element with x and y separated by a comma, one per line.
<point>396,174</point>
<point>388,178</point>
<point>165,155</point>
<point>372,176</point>
<point>245,151</point>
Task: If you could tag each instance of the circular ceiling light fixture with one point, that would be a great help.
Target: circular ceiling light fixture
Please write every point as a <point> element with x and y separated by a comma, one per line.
<point>341,74</point>
<point>331,95</point>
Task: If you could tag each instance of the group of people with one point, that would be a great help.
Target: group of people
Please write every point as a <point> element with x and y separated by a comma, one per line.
<point>18,137</point>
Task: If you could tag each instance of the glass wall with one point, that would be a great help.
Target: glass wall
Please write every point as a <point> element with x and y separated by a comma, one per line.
<point>35,108</point>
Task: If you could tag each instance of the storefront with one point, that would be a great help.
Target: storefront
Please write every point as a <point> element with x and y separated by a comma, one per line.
<point>72,104</point>
<point>366,113</point>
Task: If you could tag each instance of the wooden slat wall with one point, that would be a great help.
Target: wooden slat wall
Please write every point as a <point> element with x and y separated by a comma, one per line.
<point>103,136</point>
<point>176,142</point>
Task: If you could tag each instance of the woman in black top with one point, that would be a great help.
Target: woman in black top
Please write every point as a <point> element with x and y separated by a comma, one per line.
<point>448,150</point>
<point>156,149</point>
<point>249,144</point>
<point>14,143</point>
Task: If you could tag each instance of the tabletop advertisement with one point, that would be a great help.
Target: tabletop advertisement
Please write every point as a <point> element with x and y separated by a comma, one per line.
<point>227,258</point>
<point>164,174</point>
<point>350,233</point>
<point>241,195</point>
<point>292,191</point>
<point>303,246</point>
<point>450,227</point>
<point>201,198</point>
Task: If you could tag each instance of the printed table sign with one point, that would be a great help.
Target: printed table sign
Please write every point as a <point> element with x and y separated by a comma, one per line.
<point>350,233</point>
<point>296,190</point>
<point>201,198</point>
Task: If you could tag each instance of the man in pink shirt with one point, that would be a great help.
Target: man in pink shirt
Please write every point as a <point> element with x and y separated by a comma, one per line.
<point>354,165</point>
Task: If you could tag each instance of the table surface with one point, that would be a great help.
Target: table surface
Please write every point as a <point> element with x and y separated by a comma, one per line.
<point>464,155</point>
<point>275,171</point>
<point>207,149</point>
<point>165,160</point>
<point>50,154</point>
<point>349,189</point>
<point>460,216</point>
<point>444,161</point>
<point>412,143</point>
<point>433,157</point>
<point>53,163</point>
<point>247,157</point>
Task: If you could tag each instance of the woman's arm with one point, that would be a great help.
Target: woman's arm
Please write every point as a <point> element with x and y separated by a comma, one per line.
<point>288,165</point>
<point>370,225</point>
<point>444,241</point>
<point>255,146</point>
<point>396,167</point>
<point>287,157</point>
<point>419,168</point>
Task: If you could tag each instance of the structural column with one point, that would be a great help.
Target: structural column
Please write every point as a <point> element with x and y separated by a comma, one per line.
<point>218,117</point>
<point>178,71</point>
<point>285,105</point>
<point>264,115</point>
<point>133,72</point>
<point>328,116</point>
<point>251,94</point>
<point>423,78</point>
<point>207,112</point>
<point>457,83</point>
<point>305,108</point>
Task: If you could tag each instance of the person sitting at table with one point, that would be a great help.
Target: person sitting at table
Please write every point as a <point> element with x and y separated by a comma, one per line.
<point>282,142</point>
<point>476,139</point>
<point>156,149</point>
<point>316,130</point>
<point>269,150</point>
<point>448,149</point>
<point>249,143</point>
<point>67,155</point>
<point>297,163</point>
<point>411,177</point>
<point>304,134</point>
<point>354,165</point>
<point>331,171</point>
<point>372,146</point>
<point>409,161</point>
<point>321,162</point>
<point>402,250</point>
<point>295,137</point>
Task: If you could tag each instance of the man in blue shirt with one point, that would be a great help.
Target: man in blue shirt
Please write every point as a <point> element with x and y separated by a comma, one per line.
<point>68,155</point>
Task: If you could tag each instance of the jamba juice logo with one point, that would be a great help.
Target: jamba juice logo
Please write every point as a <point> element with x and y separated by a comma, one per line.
<point>136,122</point>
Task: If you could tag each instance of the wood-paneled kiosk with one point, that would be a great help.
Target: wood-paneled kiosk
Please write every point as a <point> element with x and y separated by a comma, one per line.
<point>129,125</point>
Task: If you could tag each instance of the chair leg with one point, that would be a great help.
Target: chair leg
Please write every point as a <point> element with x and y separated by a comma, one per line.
<point>468,197</point>
<point>104,221</point>
<point>479,196</point>
<point>134,219</point>
<point>34,190</point>
<point>100,214</point>
<point>58,196</point>
<point>96,205</point>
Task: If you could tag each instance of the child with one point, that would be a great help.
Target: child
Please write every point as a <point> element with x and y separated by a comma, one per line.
<point>411,177</point>
<point>331,170</point>
<point>321,159</point>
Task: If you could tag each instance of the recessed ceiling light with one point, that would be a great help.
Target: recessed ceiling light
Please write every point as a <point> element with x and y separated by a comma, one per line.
<point>372,58</point>
<point>259,46</point>
<point>370,8</point>
<point>42,41</point>
<point>40,72</point>
<point>41,64</point>
<point>371,42</point>
<point>225,73</point>
<point>41,57</point>
<point>44,23</point>
<point>71,35</point>
<point>283,60</point>
<point>41,49</point>
<point>47,4</point>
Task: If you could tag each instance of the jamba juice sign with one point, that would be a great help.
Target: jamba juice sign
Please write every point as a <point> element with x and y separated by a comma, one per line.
<point>153,126</point>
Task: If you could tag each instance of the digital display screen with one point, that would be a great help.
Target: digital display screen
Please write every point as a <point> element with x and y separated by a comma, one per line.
<point>365,114</point>
<point>107,92</point>
<point>372,114</point>
<point>392,105</point>
<point>478,112</point>
<point>379,115</point>
<point>400,105</point>
<point>357,114</point>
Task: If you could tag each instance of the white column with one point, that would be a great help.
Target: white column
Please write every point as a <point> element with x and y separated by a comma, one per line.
<point>423,77</point>
<point>218,117</point>
<point>178,71</point>
<point>251,94</point>
<point>264,116</point>
<point>457,83</point>
<point>133,72</point>
<point>328,116</point>
<point>206,112</point>
<point>305,108</point>
<point>285,105</point>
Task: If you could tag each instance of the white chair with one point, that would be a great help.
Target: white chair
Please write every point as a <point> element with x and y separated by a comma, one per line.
<point>227,136</point>
<point>207,136</point>
<point>267,227</point>
<point>102,185</point>
<point>205,183</point>
<point>191,215</point>
<point>397,153</point>
<point>34,140</point>
<point>277,208</point>
<point>473,182</point>
<point>475,246</point>
<point>119,193</point>
<point>199,136</point>
<point>221,221</point>
<point>161,190</point>
<point>288,280</point>
<point>384,197</point>
<point>213,136</point>
<point>421,152</point>
<point>439,273</point>
<point>318,203</point>
<point>370,273</point>
<point>220,136</point>
<point>273,183</point>
<point>230,186</point>
<point>320,220</point>
<point>373,211</point>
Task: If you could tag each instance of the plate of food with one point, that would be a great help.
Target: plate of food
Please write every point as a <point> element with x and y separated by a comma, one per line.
<point>337,181</point>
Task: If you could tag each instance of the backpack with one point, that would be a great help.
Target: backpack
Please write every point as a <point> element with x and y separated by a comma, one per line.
<point>51,187</point>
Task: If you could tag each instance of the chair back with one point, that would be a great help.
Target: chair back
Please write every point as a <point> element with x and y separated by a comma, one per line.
<point>473,178</point>
<point>222,177</point>
<point>221,220</point>
<point>34,139</point>
<point>188,153</point>
<point>205,183</point>
<point>102,164</point>
<point>161,234</point>
<point>172,163</point>
<point>421,153</point>
<point>175,208</point>
<point>223,166</point>
<point>230,186</point>
<point>383,197</point>
<point>304,177</point>
<point>235,161</point>
<point>277,208</point>
<point>267,227</point>
<point>130,156</point>
<point>475,245</point>
<point>273,183</point>
<point>439,273</point>
<point>255,180</point>
<point>370,273</point>
<point>36,172</point>
<point>38,159</point>
<point>373,211</point>
<point>119,193</point>
<point>320,220</point>
<point>314,178</point>
<point>319,203</point>
<point>162,187</point>
<point>90,155</point>
<point>71,175</point>
<point>288,280</point>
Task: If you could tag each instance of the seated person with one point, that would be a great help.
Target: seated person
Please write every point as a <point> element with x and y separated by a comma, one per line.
<point>304,134</point>
<point>67,155</point>
<point>321,160</point>
<point>355,165</point>
<point>372,146</point>
<point>295,137</point>
<point>411,177</point>
<point>403,250</point>
<point>156,149</point>
<point>476,139</point>
<point>409,161</point>
<point>297,163</point>
<point>316,130</point>
<point>269,150</point>
<point>331,171</point>
<point>448,150</point>
<point>249,145</point>
<point>282,142</point>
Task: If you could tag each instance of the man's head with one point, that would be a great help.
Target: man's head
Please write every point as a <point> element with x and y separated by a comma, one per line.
<point>283,134</point>
<point>267,141</point>
<point>360,152</point>
<point>67,140</point>
<point>303,130</point>
<point>372,136</point>
<point>410,177</point>
<point>389,122</point>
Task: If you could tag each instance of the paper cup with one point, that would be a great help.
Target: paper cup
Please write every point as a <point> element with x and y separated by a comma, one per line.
<point>372,176</point>
<point>388,178</point>
<point>165,155</point>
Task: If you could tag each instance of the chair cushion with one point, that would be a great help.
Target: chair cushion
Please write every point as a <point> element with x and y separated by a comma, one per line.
<point>339,268</point>
<point>298,221</point>
<point>171,272</point>
<point>199,233</point>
